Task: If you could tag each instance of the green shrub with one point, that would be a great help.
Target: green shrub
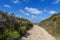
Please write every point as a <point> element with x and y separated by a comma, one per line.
<point>58,29</point>
<point>2,37</point>
<point>22,31</point>
<point>12,27</point>
<point>11,34</point>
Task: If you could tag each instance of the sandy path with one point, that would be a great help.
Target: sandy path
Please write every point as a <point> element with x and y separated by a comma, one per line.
<point>38,33</point>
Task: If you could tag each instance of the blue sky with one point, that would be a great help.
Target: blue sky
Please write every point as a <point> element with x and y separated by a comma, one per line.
<point>33,10</point>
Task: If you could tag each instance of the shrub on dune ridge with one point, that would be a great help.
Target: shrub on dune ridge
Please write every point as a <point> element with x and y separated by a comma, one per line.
<point>12,27</point>
<point>52,25</point>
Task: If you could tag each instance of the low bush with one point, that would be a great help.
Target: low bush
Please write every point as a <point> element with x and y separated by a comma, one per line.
<point>12,27</point>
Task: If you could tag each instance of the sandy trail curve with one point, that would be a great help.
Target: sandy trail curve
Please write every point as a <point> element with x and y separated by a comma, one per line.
<point>38,33</point>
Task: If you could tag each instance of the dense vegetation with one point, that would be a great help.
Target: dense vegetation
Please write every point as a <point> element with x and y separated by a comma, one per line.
<point>12,27</point>
<point>52,25</point>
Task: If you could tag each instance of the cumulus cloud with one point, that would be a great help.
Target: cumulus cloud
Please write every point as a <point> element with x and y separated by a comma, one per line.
<point>8,6</point>
<point>9,12</point>
<point>25,13</point>
<point>45,10</point>
<point>56,2</point>
<point>33,10</point>
<point>52,12</point>
<point>22,11</point>
<point>16,1</point>
<point>33,16</point>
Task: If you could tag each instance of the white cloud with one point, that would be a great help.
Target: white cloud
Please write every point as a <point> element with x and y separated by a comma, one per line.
<point>25,13</point>
<point>16,1</point>
<point>52,12</point>
<point>8,6</point>
<point>56,2</point>
<point>22,11</point>
<point>9,12</point>
<point>19,16</point>
<point>33,16</point>
<point>33,10</point>
<point>45,10</point>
